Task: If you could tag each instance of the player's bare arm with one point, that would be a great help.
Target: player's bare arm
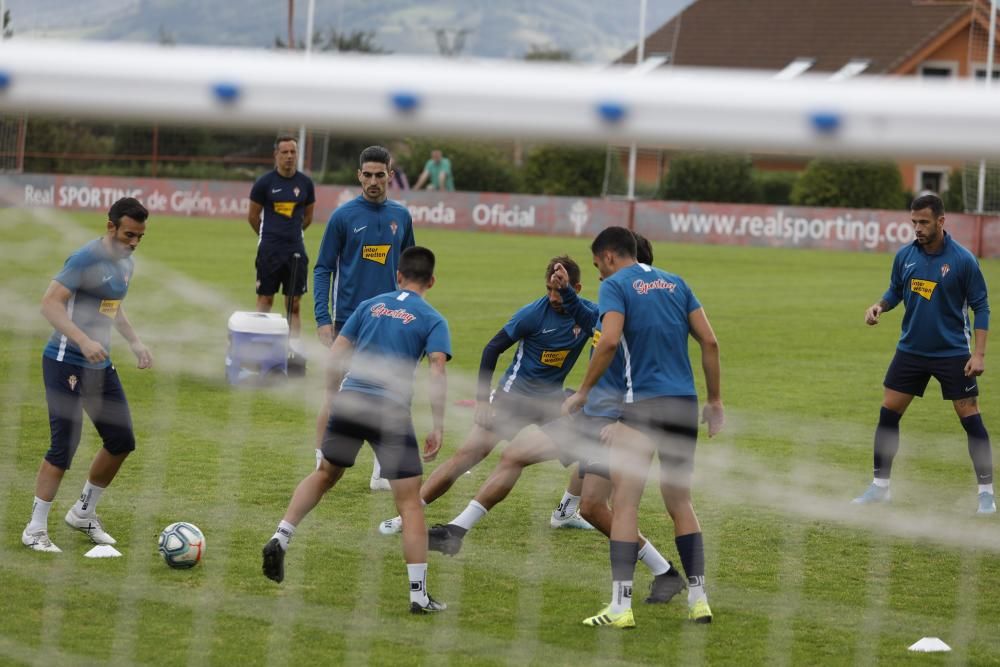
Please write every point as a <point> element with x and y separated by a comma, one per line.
<point>438,397</point>
<point>701,330</point>
<point>142,354</point>
<point>54,309</point>
<point>338,362</point>
<point>976,365</point>
<point>253,216</point>
<point>307,216</point>
<point>874,311</point>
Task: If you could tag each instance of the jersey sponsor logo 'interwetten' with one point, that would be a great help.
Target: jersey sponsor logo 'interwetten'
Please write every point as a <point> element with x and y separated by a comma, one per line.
<point>642,287</point>
<point>554,358</point>
<point>923,287</point>
<point>380,310</point>
<point>285,208</point>
<point>109,307</point>
<point>375,253</point>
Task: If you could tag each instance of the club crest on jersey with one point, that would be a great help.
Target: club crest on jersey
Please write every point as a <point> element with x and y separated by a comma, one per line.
<point>375,253</point>
<point>576,330</point>
<point>642,287</point>
<point>924,288</point>
<point>944,270</point>
<point>71,381</point>
<point>380,310</point>
<point>296,191</point>
<point>393,226</point>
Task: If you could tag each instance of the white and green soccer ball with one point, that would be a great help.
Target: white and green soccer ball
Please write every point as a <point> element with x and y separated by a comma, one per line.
<point>182,545</point>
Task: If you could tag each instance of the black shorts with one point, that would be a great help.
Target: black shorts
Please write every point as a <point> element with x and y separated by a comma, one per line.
<point>69,391</point>
<point>910,373</point>
<point>387,426</point>
<point>277,268</point>
<point>671,422</point>
<point>512,412</point>
<point>578,438</point>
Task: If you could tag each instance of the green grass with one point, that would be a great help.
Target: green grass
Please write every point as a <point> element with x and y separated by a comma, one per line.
<point>796,574</point>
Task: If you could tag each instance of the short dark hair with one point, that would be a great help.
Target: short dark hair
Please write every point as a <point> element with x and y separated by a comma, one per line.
<point>417,264</point>
<point>618,240</point>
<point>283,138</point>
<point>931,201</point>
<point>572,268</point>
<point>643,249</point>
<point>127,206</point>
<point>376,154</point>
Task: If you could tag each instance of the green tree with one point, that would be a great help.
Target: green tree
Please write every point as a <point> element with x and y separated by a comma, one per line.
<point>361,41</point>
<point>710,177</point>
<point>568,171</point>
<point>850,183</point>
<point>775,187</point>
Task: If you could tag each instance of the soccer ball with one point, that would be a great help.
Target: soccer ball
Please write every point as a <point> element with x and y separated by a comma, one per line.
<point>182,545</point>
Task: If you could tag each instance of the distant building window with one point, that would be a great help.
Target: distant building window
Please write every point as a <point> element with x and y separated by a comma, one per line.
<point>939,70</point>
<point>931,178</point>
<point>980,73</point>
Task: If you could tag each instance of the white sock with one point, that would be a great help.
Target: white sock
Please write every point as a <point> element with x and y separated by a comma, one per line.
<point>568,505</point>
<point>87,503</point>
<point>986,488</point>
<point>284,534</point>
<point>881,483</point>
<point>696,590</point>
<point>39,515</point>
<point>319,458</point>
<point>470,516</point>
<point>621,596</point>
<point>376,468</point>
<point>418,582</point>
<point>651,558</point>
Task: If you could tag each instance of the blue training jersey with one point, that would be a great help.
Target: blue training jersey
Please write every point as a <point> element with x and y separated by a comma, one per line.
<point>937,291</point>
<point>98,282</point>
<point>391,333</point>
<point>606,396</point>
<point>656,306</point>
<point>358,256</point>
<point>549,344</point>
<point>284,202</point>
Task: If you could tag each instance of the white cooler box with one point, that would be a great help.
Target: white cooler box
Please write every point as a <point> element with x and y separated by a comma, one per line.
<point>258,347</point>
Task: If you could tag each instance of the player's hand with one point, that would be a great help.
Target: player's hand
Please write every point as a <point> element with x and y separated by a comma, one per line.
<point>713,415</point>
<point>872,314</point>
<point>432,445</point>
<point>573,404</point>
<point>560,278</point>
<point>142,354</point>
<point>975,366</point>
<point>325,333</point>
<point>93,351</point>
<point>484,415</point>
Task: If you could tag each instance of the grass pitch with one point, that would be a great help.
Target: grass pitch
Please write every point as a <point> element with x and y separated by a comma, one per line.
<point>796,575</point>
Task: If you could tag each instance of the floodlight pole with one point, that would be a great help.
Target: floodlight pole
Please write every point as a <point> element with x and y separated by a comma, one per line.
<point>640,54</point>
<point>310,18</point>
<point>981,190</point>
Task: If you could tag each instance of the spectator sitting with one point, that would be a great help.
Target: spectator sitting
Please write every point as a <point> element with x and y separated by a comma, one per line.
<point>436,174</point>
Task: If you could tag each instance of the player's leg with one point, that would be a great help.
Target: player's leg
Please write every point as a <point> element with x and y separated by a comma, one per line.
<point>268,280</point>
<point>107,407</point>
<point>906,377</point>
<point>343,439</point>
<point>65,407</point>
<point>676,450</point>
<point>532,445</point>
<point>567,513</point>
<point>963,392</point>
<point>400,456</point>
<point>292,304</point>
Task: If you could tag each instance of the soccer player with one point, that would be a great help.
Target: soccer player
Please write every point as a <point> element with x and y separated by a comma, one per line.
<point>358,257</point>
<point>573,438</point>
<point>651,313</point>
<point>281,208</point>
<point>937,280</point>
<point>530,392</point>
<point>82,303</point>
<point>382,342</point>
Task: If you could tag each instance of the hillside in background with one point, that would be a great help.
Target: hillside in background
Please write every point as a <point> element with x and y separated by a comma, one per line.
<point>592,30</point>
